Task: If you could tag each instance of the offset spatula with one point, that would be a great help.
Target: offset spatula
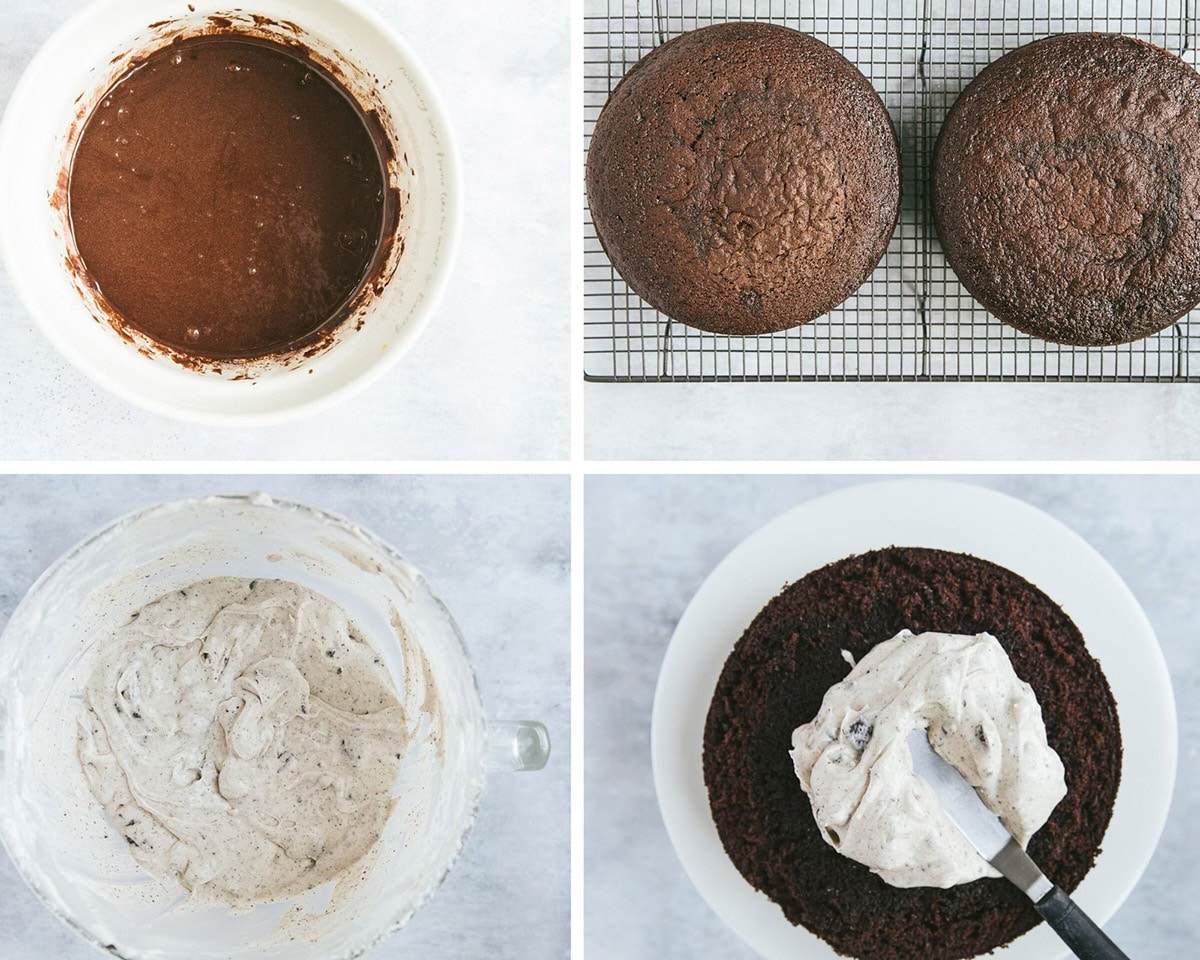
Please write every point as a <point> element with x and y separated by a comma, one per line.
<point>996,845</point>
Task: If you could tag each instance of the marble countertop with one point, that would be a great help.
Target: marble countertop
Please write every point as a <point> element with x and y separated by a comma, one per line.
<point>487,379</point>
<point>892,421</point>
<point>651,541</point>
<point>496,549</point>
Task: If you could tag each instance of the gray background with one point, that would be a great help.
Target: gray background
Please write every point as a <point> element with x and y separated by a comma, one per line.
<point>496,549</point>
<point>488,379</point>
<point>651,541</point>
<point>892,421</point>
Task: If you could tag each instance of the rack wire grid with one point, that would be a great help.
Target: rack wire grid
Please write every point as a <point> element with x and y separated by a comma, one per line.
<point>912,319</point>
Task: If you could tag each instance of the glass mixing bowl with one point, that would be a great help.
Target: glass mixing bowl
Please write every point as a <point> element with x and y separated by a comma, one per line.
<point>81,867</point>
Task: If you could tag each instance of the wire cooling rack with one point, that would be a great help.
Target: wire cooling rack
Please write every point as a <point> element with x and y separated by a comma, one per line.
<point>912,319</point>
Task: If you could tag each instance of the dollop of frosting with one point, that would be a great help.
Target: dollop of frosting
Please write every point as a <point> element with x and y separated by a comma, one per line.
<point>244,739</point>
<point>855,767</point>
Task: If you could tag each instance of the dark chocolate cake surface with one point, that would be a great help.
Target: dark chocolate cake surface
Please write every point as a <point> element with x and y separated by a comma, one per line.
<point>744,178</point>
<point>774,681</point>
<point>1066,188</point>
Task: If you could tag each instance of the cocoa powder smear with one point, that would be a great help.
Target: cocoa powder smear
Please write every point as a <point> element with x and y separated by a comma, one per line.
<point>228,198</point>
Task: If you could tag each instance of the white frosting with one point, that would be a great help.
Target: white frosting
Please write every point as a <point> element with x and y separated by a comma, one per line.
<point>854,764</point>
<point>243,738</point>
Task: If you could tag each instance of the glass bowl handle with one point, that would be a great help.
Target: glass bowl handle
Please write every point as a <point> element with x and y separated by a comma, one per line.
<point>517,745</point>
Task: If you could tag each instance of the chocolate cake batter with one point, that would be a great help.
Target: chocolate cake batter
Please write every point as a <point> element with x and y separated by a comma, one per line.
<point>228,198</point>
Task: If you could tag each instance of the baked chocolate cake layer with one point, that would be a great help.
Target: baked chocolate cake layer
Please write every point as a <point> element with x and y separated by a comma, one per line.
<point>744,178</point>
<point>775,679</point>
<point>1066,188</point>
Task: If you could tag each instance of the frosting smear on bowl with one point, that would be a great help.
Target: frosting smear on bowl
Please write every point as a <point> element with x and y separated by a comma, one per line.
<point>855,767</point>
<point>243,737</point>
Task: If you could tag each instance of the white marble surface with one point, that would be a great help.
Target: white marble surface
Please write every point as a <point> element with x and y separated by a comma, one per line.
<point>496,549</point>
<point>489,377</point>
<point>651,541</point>
<point>892,421</point>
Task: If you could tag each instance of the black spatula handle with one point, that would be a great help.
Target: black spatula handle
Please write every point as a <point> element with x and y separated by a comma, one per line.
<point>1076,928</point>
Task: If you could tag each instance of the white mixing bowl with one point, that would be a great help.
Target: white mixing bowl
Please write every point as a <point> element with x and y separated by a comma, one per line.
<point>45,117</point>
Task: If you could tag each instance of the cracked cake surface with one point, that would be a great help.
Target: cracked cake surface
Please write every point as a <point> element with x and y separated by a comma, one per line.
<point>744,178</point>
<point>775,679</point>
<point>1065,188</point>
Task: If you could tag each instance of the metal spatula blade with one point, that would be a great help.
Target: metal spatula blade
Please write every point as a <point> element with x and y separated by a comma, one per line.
<point>996,845</point>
